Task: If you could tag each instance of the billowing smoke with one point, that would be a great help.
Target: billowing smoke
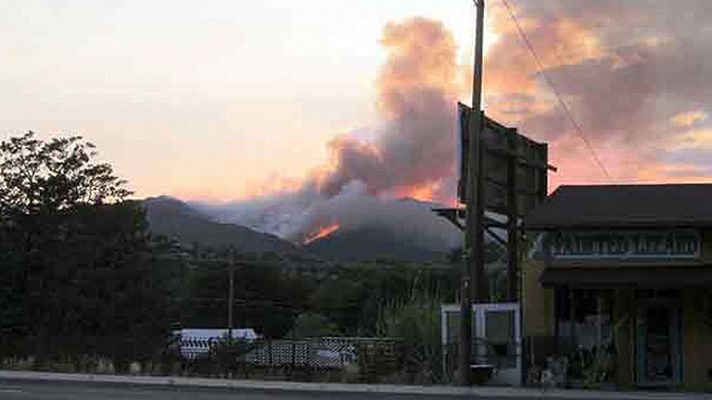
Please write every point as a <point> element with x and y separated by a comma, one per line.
<point>635,75</point>
<point>299,215</point>
<point>413,156</point>
<point>416,85</point>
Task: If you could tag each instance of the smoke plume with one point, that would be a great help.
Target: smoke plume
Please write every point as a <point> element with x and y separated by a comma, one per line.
<point>416,88</point>
<point>413,156</point>
<point>635,75</point>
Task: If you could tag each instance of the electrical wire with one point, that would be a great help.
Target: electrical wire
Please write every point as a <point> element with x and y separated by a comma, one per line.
<point>564,107</point>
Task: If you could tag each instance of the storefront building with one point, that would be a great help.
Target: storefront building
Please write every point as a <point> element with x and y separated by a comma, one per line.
<point>625,271</point>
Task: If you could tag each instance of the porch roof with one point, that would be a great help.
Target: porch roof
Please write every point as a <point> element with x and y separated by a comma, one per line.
<point>624,207</point>
<point>629,277</point>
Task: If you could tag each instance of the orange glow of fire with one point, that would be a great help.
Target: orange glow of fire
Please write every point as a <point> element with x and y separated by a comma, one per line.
<point>424,192</point>
<point>322,233</point>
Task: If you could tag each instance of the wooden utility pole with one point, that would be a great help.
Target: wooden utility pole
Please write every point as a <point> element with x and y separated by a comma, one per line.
<point>473,284</point>
<point>475,225</point>
<point>231,292</point>
<point>512,215</point>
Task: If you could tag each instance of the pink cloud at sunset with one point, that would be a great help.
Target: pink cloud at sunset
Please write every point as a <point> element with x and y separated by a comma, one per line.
<point>638,89</point>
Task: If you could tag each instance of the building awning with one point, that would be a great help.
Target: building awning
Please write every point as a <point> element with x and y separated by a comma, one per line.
<point>628,277</point>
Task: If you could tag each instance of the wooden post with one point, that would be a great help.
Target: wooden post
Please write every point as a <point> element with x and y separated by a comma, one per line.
<point>231,292</point>
<point>473,249</point>
<point>465,339</point>
<point>572,317</point>
<point>512,228</point>
<point>475,212</point>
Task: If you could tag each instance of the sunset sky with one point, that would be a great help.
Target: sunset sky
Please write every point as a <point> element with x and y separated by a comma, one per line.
<point>221,100</point>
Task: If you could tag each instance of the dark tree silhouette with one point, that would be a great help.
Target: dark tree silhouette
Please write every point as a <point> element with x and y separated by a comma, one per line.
<point>76,267</point>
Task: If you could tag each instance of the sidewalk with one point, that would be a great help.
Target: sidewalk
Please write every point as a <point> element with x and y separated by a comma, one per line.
<point>445,391</point>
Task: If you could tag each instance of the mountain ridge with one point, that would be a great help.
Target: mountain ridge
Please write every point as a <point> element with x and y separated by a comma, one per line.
<point>406,229</point>
<point>171,217</point>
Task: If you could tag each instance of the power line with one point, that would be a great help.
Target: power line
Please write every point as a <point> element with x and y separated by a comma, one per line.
<point>565,108</point>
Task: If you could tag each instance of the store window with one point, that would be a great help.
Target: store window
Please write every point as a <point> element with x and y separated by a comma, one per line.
<point>591,313</point>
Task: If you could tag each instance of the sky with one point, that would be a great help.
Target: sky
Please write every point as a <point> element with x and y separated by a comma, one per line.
<point>223,100</point>
<point>199,99</point>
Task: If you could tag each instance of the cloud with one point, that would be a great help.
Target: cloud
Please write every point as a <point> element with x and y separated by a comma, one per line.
<point>688,118</point>
<point>626,70</point>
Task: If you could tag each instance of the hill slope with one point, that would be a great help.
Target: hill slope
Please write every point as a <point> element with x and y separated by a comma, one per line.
<point>173,218</point>
<point>403,229</point>
<point>376,242</point>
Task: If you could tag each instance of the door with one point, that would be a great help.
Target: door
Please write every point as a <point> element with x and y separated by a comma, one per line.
<point>498,338</point>
<point>658,345</point>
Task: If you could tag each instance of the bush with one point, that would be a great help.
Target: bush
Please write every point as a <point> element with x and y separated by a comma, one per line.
<point>417,322</point>
<point>227,353</point>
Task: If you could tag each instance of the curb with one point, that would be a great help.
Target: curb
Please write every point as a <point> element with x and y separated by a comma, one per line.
<point>445,391</point>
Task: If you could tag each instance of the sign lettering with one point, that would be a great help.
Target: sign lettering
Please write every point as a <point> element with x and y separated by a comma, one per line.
<point>625,245</point>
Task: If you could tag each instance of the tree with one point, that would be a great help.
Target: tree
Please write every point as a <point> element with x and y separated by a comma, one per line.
<point>39,176</point>
<point>310,325</point>
<point>107,291</point>
<point>416,321</point>
<point>354,298</point>
<point>77,275</point>
<point>266,299</point>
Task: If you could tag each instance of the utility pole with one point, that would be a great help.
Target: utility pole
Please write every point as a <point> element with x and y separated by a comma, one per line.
<point>473,284</point>
<point>231,291</point>
<point>476,182</point>
<point>475,227</point>
<point>512,227</point>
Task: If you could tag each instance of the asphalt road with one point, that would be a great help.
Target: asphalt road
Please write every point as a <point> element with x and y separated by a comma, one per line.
<point>23,389</point>
<point>27,390</point>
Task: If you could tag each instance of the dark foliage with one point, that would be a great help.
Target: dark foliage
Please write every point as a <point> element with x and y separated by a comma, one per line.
<point>77,276</point>
<point>354,299</point>
<point>266,299</point>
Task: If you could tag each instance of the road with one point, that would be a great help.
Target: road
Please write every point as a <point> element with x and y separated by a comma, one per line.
<point>31,389</point>
<point>27,390</point>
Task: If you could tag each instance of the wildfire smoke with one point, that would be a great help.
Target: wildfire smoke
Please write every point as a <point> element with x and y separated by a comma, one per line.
<point>414,155</point>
